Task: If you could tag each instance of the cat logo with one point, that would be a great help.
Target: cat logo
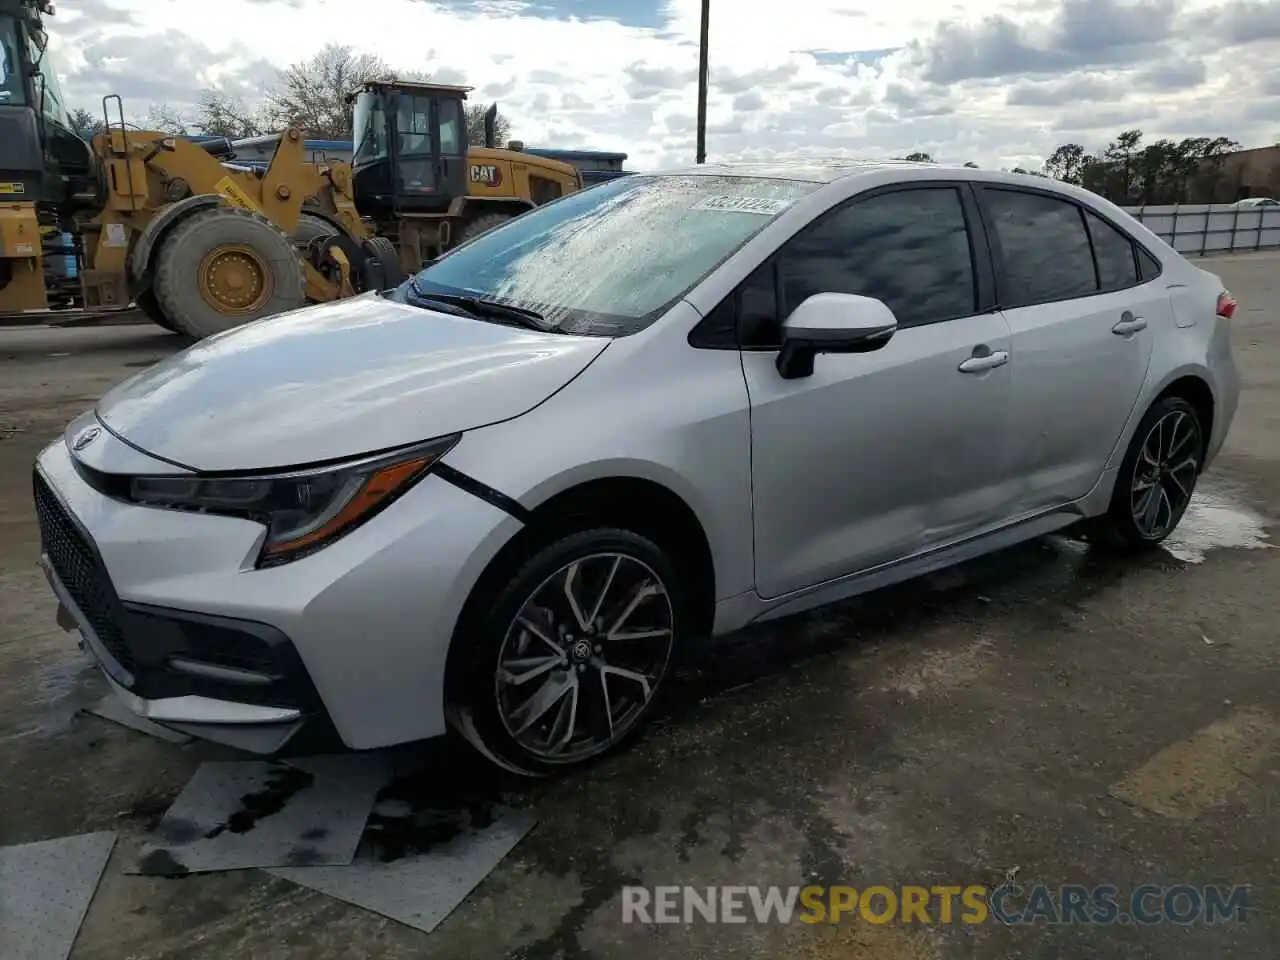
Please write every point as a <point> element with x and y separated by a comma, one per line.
<point>487,174</point>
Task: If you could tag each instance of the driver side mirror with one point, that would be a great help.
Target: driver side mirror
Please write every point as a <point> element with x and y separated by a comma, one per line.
<point>832,323</point>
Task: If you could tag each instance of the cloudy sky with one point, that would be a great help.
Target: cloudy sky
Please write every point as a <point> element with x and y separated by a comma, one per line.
<point>997,83</point>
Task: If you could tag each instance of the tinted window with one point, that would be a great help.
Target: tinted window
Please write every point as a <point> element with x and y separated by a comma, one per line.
<point>1044,245</point>
<point>1149,264</point>
<point>1114,252</point>
<point>909,248</point>
<point>748,317</point>
<point>370,124</point>
<point>758,309</point>
<point>11,90</point>
<point>451,143</point>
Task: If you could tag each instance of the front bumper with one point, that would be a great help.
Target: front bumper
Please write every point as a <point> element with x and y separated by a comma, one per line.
<point>352,639</point>
<point>210,676</point>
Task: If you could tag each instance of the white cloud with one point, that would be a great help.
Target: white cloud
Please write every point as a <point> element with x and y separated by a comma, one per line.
<point>990,82</point>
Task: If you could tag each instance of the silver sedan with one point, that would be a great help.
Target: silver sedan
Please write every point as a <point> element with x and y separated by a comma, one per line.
<point>507,495</point>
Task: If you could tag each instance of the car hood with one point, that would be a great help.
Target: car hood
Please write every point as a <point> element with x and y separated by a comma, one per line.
<point>337,380</point>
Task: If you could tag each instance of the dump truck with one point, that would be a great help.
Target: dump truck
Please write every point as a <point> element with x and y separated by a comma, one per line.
<point>174,227</point>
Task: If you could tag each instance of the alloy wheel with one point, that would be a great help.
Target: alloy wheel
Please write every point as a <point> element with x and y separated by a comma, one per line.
<point>584,656</point>
<point>1164,475</point>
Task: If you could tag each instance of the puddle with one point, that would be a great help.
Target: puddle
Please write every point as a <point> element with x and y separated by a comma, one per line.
<point>1216,521</point>
<point>60,690</point>
<point>59,680</point>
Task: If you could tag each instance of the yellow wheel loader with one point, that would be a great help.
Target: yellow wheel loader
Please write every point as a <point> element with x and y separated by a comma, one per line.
<point>415,178</point>
<point>158,222</point>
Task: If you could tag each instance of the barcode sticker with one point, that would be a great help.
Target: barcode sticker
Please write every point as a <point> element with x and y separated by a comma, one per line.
<point>764,206</point>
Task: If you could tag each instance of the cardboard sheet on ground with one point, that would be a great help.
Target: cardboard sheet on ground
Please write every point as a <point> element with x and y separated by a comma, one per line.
<point>419,889</point>
<point>45,890</point>
<point>111,708</point>
<point>234,816</point>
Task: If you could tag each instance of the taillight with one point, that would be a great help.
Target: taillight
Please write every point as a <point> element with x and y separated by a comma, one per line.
<point>1226,305</point>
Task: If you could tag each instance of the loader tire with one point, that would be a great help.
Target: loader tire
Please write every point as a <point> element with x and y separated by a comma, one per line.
<point>146,304</point>
<point>482,224</point>
<point>387,273</point>
<point>309,228</point>
<point>224,267</point>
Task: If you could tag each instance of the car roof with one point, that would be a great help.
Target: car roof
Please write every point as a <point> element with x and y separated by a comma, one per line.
<point>812,170</point>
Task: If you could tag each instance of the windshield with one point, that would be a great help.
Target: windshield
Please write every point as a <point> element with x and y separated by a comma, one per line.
<point>10,64</point>
<point>370,125</point>
<point>611,259</point>
<point>52,104</point>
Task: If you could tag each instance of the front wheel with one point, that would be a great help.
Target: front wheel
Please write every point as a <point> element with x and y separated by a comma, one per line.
<point>569,658</point>
<point>1156,480</point>
<point>223,267</point>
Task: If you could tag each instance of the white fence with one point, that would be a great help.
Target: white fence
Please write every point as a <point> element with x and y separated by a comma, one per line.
<point>1200,228</point>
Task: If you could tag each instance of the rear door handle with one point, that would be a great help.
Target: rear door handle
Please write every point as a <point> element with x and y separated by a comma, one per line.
<point>978,364</point>
<point>1128,324</point>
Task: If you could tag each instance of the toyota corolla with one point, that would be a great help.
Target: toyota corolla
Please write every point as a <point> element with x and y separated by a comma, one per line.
<point>508,494</point>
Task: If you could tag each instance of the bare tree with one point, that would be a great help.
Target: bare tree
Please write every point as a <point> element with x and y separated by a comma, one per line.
<point>165,119</point>
<point>85,124</point>
<point>312,94</point>
<point>227,116</point>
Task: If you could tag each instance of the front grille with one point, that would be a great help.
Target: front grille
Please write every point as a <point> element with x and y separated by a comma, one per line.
<point>77,565</point>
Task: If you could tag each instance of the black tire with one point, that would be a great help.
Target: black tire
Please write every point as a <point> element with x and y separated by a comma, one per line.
<point>1118,528</point>
<point>476,692</point>
<point>309,228</point>
<point>178,264</point>
<point>147,305</point>
<point>481,224</point>
<point>391,274</point>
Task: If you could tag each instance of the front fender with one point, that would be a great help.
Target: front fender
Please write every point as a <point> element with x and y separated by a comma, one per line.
<point>161,223</point>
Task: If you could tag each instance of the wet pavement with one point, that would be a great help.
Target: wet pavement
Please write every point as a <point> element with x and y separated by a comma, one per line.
<point>1046,713</point>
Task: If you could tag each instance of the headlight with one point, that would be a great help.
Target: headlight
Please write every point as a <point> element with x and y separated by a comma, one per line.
<point>303,510</point>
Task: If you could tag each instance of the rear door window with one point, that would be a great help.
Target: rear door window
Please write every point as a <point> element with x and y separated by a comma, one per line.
<point>1117,268</point>
<point>1044,247</point>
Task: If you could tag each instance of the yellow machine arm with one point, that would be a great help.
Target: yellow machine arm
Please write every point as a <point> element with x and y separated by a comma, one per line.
<point>147,171</point>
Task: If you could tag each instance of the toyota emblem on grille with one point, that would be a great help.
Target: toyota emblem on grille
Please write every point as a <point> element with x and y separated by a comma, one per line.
<point>84,438</point>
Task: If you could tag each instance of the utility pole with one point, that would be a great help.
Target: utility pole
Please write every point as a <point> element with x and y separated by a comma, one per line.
<point>702,82</point>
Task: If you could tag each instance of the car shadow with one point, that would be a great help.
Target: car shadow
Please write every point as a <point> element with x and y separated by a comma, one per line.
<point>1042,583</point>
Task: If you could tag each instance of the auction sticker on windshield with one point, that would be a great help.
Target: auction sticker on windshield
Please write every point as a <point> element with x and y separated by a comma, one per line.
<point>765,206</point>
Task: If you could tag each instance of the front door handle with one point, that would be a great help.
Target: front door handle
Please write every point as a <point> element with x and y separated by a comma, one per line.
<point>1128,324</point>
<point>987,361</point>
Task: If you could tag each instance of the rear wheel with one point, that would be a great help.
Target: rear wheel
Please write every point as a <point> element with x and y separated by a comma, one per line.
<point>481,224</point>
<point>1156,480</point>
<point>223,267</point>
<point>568,659</point>
<point>309,228</point>
<point>389,273</point>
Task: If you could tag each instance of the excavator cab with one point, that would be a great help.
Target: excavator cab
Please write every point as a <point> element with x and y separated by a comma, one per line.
<point>42,158</point>
<point>410,148</point>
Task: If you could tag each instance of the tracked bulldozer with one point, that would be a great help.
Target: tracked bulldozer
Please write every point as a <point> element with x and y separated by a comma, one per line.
<point>174,227</point>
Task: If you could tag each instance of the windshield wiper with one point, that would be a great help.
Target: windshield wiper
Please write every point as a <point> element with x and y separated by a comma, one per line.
<point>481,307</point>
